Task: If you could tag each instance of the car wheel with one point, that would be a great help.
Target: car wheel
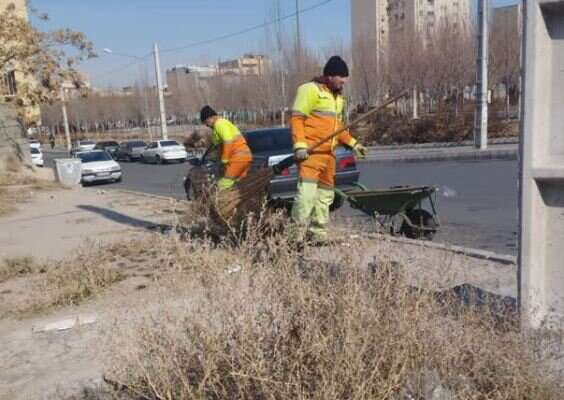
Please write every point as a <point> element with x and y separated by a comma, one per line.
<point>159,160</point>
<point>118,180</point>
<point>142,159</point>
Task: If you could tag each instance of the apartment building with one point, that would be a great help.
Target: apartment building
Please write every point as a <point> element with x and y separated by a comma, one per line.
<point>370,24</point>
<point>386,20</point>
<point>9,80</point>
<point>247,65</point>
<point>183,78</point>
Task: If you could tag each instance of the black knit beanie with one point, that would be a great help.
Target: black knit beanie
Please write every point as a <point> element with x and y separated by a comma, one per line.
<point>336,66</point>
<point>207,112</point>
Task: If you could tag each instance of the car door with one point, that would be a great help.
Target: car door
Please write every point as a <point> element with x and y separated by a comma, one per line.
<point>121,153</point>
<point>150,153</point>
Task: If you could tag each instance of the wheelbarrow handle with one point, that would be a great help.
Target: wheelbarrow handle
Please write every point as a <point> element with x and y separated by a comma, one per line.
<point>291,160</point>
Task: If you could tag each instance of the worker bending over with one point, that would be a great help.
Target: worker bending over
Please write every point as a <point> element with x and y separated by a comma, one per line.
<point>316,114</point>
<point>234,151</point>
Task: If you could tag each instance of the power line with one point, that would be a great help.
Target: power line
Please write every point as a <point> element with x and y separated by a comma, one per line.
<point>218,38</point>
<point>123,67</point>
<point>249,29</point>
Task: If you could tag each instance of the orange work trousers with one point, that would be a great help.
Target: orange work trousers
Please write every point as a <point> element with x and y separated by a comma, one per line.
<point>238,167</point>
<point>320,168</point>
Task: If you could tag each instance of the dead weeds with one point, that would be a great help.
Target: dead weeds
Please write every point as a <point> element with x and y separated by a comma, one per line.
<point>258,321</point>
<point>19,266</point>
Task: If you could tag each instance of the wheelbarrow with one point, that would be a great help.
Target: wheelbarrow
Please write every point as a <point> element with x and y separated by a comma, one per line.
<point>398,210</point>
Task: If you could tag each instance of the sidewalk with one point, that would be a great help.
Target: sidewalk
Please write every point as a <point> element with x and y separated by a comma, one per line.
<point>58,222</point>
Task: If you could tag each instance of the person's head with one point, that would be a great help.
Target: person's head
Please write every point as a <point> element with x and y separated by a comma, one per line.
<point>208,116</point>
<point>336,73</point>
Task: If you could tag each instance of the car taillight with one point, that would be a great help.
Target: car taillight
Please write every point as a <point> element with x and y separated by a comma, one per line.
<point>285,172</point>
<point>347,162</point>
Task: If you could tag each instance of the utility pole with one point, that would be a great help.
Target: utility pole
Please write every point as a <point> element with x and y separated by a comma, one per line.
<point>298,35</point>
<point>164,130</point>
<point>143,86</point>
<point>65,120</point>
<point>481,117</point>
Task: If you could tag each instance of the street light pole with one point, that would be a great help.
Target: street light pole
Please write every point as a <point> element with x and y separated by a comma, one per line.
<point>164,130</point>
<point>162,112</point>
<point>481,117</point>
<point>65,120</point>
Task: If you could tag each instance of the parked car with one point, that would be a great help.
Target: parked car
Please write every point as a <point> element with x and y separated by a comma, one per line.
<point>35,144</point>
<point>36,157</point>
<point>98,166</point>
<point>109,146</point>
<point>270,146</point>
<point>163,151</point>
<point>82,145</point>
<point>131,150</point>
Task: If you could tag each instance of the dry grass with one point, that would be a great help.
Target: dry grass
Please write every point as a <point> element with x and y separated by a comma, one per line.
<point>283,327</point>
<point>17,186</point>
<point>19,266</point>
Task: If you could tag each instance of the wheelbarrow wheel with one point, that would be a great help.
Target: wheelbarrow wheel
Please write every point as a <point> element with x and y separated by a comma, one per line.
<point>423,218</point>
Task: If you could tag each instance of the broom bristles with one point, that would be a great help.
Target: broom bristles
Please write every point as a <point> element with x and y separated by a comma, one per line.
<point>233,203</point>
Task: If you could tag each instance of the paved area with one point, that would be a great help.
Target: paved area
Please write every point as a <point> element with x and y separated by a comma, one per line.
<point>478,204</point>
<point>55,223</point>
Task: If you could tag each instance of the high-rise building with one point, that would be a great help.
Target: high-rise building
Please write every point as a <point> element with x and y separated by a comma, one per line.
<point>370,24</point>
<point>385,20</point>
<point>507,18</point>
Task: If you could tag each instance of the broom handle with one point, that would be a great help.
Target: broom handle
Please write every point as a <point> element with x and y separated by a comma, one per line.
<point>289,161</point>
<point>358,120</point>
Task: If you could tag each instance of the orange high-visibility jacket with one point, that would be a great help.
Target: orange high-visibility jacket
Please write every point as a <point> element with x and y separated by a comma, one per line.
<point>233,145</point>
<point>316,114</point>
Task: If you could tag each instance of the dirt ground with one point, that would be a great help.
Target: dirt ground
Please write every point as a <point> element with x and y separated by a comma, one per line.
<point>53,351</point>
<point>53,226</point>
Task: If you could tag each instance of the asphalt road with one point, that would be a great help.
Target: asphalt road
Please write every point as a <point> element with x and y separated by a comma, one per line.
<point>477,207</point>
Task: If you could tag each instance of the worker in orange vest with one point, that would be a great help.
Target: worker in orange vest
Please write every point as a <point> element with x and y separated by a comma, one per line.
<point>235,154</point>
<point>318,112</point>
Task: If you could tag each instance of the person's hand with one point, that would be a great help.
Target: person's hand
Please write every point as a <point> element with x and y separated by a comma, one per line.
<point>360,151</point>
<point>301,155</point>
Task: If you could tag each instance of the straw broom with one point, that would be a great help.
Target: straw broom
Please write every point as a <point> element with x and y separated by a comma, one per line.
<point>229,206</point>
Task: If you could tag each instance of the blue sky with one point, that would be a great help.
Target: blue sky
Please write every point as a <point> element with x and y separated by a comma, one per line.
<point>132,26</point>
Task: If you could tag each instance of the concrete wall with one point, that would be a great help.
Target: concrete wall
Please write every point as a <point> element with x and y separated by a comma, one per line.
<point>542,166</point>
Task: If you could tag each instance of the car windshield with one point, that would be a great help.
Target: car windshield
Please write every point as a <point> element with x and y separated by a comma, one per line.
<point>94,156</point>
<point>136,144</point>
<point>270,140</point>
<point>35,151</point>
<point>168,143</point>
<point>86,142</point>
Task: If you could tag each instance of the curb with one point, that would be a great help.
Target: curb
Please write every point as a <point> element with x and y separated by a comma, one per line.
<point>466,251</point>
<point>494,154</point>
<point>438,145</point>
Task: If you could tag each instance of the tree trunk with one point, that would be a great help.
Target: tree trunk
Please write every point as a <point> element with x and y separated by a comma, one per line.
<point>415,103</point>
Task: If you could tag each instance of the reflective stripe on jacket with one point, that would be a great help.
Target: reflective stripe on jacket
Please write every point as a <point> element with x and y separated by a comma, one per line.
<point>233,144</point>
<point>316,114</point>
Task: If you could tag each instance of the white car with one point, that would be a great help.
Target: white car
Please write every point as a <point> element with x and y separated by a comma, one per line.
<point>163,151</point>
<point>35,144</point>
<point>83,145</point>
<point>36,157</point>
<point>99,166</point>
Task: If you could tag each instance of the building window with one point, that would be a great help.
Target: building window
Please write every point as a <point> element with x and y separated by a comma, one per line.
<point>8,84</point>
